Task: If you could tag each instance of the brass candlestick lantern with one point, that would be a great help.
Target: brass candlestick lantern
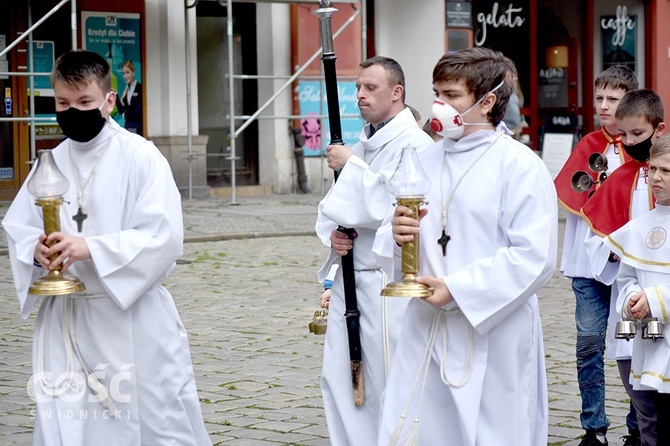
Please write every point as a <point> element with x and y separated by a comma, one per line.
<point>409,184</point>
<point>48,185</point>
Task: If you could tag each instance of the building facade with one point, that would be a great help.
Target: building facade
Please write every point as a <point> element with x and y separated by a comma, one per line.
<point>183,54</point>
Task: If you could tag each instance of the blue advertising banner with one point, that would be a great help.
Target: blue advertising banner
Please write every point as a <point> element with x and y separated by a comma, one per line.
<point>116,37</point>
<point>43,62</point>
<point>315,130</point>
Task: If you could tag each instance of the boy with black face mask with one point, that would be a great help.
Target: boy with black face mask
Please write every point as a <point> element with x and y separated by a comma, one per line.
<point>640,122</point>
<point>114,356</point>
<point>624,196</point>
<point>592,296</point>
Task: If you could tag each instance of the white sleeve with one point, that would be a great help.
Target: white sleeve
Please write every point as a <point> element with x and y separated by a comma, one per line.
<point>603,270</point>
<point>628,285</point>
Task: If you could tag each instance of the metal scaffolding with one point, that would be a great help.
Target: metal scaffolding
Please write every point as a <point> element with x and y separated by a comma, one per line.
<point>248,120</point>
<point>31,119</point>
<point>231,76</point>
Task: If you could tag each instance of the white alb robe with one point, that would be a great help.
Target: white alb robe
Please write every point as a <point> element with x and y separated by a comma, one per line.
<point>644,249</point>
<point>128,332</point>
<point>503,227</point>
<point>606,272</point>
<point>360,200</point>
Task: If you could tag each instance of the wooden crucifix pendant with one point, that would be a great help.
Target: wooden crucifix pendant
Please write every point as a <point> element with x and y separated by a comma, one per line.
<point>443,240</point>
<point>79,217</point>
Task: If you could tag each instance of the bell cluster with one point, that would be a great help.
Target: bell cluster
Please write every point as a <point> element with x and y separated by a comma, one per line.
<point>581,181</point>
<point>651,329</point>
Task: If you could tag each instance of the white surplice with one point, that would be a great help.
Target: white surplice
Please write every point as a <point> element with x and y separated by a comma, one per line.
<point>503,227</point>
<point>644,249</point>
<point>360,200</point>
<point>128,331</point>
<point>606,272</point>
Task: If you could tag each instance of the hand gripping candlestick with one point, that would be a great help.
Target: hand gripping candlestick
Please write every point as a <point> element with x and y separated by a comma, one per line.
<point>409,184</point>
<point>352,315</point>
<point>49,185</point>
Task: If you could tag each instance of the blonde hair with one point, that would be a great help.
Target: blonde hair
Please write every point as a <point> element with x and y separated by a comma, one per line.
<point>129,64</point>
<point>660,147</point>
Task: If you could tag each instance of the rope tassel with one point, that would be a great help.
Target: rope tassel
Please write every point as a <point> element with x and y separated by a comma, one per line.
<point>439,323</point>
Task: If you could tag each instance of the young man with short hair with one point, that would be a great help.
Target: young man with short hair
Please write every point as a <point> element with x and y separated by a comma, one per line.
<point>111,364</point>
<point>469,366</point>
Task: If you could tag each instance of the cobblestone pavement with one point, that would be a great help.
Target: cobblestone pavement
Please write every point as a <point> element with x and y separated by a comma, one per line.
<point>246,289</point>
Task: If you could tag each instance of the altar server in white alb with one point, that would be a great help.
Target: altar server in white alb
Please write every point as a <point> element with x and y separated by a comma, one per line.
<point>360,200</point>
<point>644,287</point>
<point>469,364</point>
<point>111,364</point>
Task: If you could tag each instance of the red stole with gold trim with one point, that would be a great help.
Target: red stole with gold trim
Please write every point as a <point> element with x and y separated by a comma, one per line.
<point>594,142</point>
<point>609,208</point>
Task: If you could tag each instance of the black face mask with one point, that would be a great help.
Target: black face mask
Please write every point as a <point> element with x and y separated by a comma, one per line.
<point>640,151</point>
<point>80,125</point>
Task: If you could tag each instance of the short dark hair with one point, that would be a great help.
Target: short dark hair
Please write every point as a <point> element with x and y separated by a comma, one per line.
<point>641,102</point>
<point>393,71</point>
<point>617,77</point>
<point>77,69</point>
<point>482,70</point>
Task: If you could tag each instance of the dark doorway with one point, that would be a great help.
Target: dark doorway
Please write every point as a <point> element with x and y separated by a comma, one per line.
<point>213,92</point>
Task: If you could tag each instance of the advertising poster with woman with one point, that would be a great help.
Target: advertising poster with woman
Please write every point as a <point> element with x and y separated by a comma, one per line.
<point>116,37</point>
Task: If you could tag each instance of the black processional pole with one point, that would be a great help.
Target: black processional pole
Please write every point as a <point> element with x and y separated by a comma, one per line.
<point>352,315</point>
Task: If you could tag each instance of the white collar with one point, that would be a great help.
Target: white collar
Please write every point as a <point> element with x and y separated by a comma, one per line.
<point>395,127</point>
<point>469,142</point>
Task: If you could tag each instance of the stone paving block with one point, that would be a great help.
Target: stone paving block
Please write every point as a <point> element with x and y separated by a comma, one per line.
<point>246,304</point>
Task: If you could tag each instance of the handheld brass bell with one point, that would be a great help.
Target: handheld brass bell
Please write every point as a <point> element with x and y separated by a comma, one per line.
<point>321,323</point>
<point>625,329</point>
<point>314,318</point>
<point>652,329</point>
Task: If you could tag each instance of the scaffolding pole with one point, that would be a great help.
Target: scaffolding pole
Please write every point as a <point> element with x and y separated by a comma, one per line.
<point>189,111</point>
<point>234,133</point>
<point>31,82</point>
<point>30,30</point>
<point>31,62</point>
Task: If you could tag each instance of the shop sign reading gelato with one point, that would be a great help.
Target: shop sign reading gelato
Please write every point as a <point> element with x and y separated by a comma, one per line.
<point>498,18</point>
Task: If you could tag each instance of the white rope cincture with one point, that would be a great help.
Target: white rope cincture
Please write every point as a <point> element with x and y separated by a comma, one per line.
<point>469,360</point>
<point>386,342</point>
<point>439,323</point>
<point>68,382</point>
<point>91,379</point>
